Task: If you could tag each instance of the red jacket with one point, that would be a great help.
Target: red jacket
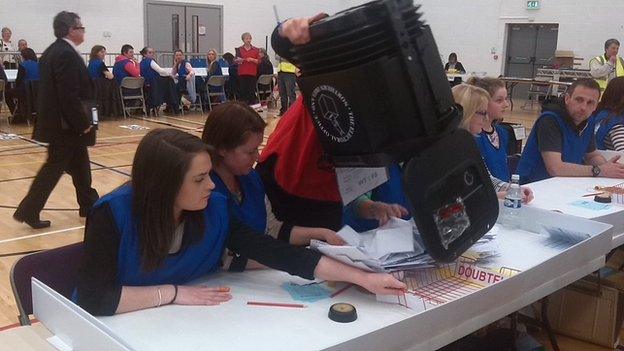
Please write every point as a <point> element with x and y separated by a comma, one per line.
<point>248,68</point>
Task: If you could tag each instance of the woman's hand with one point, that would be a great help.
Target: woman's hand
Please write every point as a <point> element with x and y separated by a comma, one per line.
<point>527,194</point>
<point>381,211</point>
<point>297,30</point>
<point>383,284</point>
<point>202,295</point>
<point>330,237</point>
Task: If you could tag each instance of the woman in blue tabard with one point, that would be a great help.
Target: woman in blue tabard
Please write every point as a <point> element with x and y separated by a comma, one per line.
<point>609,117</point>
<point>474,100</point>
<point>493,141</point>
<point>235,131</point>
<point>97,68</point>
<point>159,83</point>
<point>145,241</point>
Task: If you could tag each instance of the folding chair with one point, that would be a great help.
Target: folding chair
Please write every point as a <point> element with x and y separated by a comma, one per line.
<point>216,82</point>
<point>57,268</point>
<point>264,86</point>
<point>134,88</point>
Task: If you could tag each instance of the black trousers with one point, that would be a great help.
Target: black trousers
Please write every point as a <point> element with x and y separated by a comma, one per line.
<point>247,89</point>
<point>71,159</point>
<point>286,83</point>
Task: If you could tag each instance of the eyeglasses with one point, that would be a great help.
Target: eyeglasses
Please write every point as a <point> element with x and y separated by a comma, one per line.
<point>81,27</point>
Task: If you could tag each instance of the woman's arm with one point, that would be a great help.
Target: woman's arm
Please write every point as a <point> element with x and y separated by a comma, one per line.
<point>161,71</point>
<point>303,262</point>
<point>98,290</point>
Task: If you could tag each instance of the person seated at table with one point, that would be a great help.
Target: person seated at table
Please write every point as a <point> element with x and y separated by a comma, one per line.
<point>493,141</point>
<point>184,74</point>
<point>388,199</point>
<point>609,117</point>
<point>27,70</point>
<point>125,64</point>
<point>264,67</point>
<point>562,142</point>
<point>214,69</point>
<point>148,239</point>
<point>159,84</point>
<point>475,101</point>
<point>452,67</point>
<point>97,67</point>
<point>236,131</point>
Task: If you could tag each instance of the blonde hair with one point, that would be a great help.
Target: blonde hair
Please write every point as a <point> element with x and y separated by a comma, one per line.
<point>470,97</point>
<point>215,52</point>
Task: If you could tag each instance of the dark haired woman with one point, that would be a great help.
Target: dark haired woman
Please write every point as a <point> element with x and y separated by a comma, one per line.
<point>97,68</point>
<point>28,70</point>
<point>145,241</point>
<point>235,131</point>
<point>609,117</point>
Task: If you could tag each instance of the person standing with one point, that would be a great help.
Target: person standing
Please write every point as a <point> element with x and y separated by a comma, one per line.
<point>247,58</point>
<point>286,84</point>
<point>9,60</point>
<point>64,121</point>
<point>605,67</point>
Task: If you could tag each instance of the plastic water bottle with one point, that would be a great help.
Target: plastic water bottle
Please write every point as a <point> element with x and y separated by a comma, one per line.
<point>513,204</point>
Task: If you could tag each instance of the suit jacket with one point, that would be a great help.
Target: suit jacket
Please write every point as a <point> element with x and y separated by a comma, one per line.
<point>65,92</point>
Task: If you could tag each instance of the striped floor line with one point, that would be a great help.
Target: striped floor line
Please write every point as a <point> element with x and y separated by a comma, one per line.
<point>40,234</point>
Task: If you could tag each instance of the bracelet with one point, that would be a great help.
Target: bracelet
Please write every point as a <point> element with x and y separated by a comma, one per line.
<point>159,296</point>
<point>175,294</point>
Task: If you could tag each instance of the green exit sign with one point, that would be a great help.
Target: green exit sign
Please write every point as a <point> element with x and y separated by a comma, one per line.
<point>533,5</point>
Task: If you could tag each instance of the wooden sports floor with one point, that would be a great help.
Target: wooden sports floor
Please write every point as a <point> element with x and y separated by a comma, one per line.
<point>111,159</point>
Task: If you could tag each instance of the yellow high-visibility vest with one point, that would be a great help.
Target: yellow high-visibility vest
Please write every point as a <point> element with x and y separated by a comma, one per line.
<point>286,67</point>
<point>619,71</point>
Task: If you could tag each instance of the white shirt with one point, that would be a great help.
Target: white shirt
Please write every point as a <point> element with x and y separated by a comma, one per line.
<point>8,46</point>
<point>161,71</point>
<point>74,46</point>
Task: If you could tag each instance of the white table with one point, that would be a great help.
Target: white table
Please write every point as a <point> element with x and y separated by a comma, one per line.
<point>559,192</point>
<point>236,326</point>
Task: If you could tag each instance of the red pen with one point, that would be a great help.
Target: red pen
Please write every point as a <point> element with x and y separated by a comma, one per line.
<point>275,304</point>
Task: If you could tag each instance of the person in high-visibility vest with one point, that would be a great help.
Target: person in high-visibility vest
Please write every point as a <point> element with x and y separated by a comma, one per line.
<point>608,66</point>
<point>286,83</point>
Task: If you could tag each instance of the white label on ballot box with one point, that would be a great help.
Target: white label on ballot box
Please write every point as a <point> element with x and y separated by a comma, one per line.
<point>353,182</point>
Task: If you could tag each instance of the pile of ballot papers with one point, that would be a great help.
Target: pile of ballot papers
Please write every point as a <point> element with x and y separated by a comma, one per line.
<point>394,246</point>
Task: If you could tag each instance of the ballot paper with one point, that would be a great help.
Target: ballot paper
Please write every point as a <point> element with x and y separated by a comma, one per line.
<point>563,236</point>
<point>389,247</point>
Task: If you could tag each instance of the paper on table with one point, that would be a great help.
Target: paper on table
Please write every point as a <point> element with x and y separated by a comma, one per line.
<point>349,235</point>
<point>563,235</point>
<point>590,205</point>
<point>393,237</point>
<point>307,292</point>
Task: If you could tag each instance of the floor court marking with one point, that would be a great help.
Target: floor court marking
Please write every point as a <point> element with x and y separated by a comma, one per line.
<point>40,234</point>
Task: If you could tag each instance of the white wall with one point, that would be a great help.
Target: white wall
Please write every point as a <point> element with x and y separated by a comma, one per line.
<point>473,28</point>
<point>470,28</point>
<point>34,22</point>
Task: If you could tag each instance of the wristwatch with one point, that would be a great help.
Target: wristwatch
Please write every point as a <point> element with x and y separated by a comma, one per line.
<point>595,171</point>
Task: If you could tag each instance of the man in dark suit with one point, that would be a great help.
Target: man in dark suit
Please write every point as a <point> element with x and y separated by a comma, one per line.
<point>63,120</point>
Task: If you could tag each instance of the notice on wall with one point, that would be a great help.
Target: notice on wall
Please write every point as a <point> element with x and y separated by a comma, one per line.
<point>353,182</point>
<point>201,30</point>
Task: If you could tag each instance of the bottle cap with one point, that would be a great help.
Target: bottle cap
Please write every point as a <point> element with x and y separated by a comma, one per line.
<point>342,312</point>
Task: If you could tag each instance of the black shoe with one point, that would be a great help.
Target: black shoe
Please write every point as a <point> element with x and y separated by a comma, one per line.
<point>34,223</point>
